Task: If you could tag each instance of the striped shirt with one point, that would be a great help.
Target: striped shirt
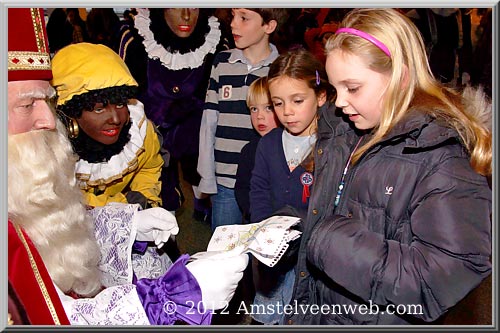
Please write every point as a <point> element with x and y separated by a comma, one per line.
<point>226,126</point>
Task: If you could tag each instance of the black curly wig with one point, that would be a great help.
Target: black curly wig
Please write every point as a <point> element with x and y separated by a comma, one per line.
<point>86,101</point>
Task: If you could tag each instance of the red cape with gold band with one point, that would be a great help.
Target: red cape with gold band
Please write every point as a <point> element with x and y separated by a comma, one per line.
<point>32,282</point>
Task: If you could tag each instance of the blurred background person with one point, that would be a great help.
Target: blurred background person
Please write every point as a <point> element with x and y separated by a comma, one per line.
<point>171,57</point>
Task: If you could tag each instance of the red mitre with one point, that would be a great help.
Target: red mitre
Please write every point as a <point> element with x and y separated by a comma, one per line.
<point>29,57</point>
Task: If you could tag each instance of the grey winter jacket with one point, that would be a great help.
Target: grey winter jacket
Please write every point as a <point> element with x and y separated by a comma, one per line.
<point>413,228</point>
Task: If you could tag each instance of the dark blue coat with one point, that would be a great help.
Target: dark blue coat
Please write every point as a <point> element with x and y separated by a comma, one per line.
<point>273,186</point>
<point>243,176</point>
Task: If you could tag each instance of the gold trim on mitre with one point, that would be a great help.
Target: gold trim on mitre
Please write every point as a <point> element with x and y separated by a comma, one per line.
<point>25,60</point>
<point>37,26</point>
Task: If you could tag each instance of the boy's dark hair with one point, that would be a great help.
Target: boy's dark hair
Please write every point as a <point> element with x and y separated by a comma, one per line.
<point>280,15</point>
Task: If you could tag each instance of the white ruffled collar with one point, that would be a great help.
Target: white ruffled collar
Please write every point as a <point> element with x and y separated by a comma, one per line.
<point>176,61</point>
<point>94,174</point>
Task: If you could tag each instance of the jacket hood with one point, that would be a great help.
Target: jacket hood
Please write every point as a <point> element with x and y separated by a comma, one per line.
<point>423,130</point>
<point>478,105</point>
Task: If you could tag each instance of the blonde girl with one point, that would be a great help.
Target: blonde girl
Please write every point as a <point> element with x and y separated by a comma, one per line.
<point>401,211</point>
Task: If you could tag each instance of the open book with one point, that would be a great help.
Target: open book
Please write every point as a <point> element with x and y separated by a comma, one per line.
<point>266,240</point>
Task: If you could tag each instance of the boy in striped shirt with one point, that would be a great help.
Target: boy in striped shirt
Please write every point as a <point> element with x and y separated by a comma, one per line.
<point>226,126</point>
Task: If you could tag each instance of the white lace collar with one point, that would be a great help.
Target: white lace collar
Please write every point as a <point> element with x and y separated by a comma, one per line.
<point>120,164</point>
<point>176,61</point>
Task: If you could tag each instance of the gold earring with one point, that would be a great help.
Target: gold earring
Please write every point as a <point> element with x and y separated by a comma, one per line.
<point>73,129</point>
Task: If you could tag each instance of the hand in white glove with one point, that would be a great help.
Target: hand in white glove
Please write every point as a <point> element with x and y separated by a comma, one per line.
<point>218,276</point>
<point>155,225</point>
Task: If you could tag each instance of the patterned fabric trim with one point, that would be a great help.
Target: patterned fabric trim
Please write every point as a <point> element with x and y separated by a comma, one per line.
<point>38,277</point>
<point>19,60</point>
<point>37,26</point>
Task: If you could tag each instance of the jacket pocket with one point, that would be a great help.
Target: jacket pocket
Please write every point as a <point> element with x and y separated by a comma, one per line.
<point>372,217</point>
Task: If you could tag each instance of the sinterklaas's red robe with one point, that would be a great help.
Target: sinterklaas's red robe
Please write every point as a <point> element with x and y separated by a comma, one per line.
<point>31,281</point>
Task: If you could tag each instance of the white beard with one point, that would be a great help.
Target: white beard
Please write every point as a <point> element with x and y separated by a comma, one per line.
<point>44,200</point>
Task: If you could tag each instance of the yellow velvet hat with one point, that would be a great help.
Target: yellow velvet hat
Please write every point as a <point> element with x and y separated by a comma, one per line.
<point>79,68</point>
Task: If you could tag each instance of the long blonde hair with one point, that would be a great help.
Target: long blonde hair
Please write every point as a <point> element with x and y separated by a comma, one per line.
<point>45,201</point>
<point>411,76</point>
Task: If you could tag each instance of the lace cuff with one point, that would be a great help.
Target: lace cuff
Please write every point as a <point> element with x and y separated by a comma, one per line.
<point>115,234</point>
<point>118,305</point>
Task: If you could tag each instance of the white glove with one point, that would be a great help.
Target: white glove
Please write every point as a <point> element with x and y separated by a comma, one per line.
<point>218,276</point>
<point>155,225</point>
